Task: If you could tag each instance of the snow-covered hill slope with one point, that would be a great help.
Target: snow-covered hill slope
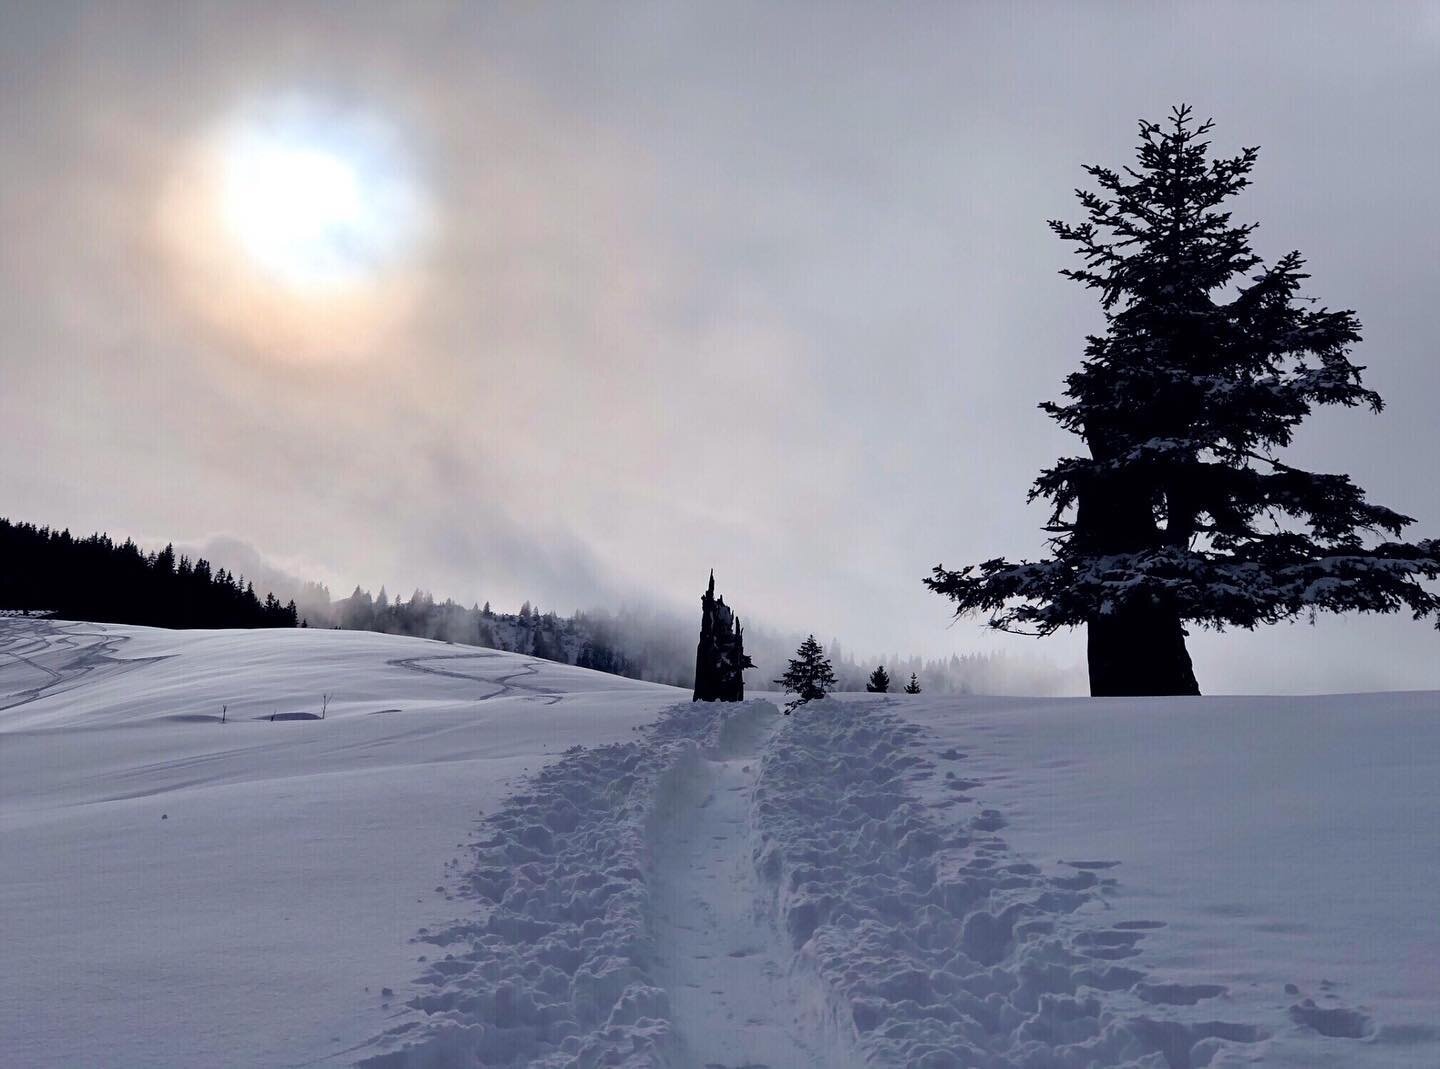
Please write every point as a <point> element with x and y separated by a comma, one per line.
<point>885,881</point>
<point>1084,885</point>
<point>180,892</point>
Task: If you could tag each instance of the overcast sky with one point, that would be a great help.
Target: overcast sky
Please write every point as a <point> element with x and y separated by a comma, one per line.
<point>761,288</point>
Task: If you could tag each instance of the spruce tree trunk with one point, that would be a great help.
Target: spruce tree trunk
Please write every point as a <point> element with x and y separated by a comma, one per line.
<point>1139,650</point>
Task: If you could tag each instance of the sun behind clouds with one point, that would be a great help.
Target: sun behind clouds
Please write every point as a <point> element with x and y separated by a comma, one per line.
<point>297,229</point>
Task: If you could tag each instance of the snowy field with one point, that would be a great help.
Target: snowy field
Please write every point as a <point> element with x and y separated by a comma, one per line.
<point>178,892</point>
<point>432,876</point>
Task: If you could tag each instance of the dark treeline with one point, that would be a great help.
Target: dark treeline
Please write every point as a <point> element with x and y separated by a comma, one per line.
<point>95,578</point>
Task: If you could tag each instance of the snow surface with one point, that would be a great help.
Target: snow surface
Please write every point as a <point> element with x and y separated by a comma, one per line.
<point>1280,853</point>
<point>877,880</point>
<point>178,892</point>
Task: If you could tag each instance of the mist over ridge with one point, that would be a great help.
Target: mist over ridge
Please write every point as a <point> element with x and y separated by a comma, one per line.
<point>635,636</point>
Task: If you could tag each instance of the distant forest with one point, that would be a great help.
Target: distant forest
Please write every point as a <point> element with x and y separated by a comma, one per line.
<point>94,578</point>
<point>658,645</point>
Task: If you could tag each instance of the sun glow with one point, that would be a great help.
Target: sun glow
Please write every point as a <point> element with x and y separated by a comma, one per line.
<point>298,228</point>
<point>297,212</point>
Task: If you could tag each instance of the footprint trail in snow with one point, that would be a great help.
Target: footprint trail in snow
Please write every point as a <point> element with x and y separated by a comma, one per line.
<point>733,1003</point>
<point>734,890</point>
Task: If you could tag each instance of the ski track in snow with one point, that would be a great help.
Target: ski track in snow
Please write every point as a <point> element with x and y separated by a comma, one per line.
<point>504,686</point>
<point>734,891</point>
<point>57,652</point>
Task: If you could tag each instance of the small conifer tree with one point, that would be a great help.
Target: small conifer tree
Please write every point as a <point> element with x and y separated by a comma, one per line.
<point>879,681</point>
<point>913,687</point>
<point>808,675</point>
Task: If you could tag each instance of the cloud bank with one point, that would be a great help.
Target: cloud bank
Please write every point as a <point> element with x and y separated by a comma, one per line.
<point>761,289</point>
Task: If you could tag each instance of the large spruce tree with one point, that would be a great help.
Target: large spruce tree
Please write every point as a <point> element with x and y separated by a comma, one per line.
<point>1182,512</point>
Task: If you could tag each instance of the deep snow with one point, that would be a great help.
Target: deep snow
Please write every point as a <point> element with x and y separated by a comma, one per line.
<point>178,892</point>
<point>898,880</point>
<point>1284,850</point>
